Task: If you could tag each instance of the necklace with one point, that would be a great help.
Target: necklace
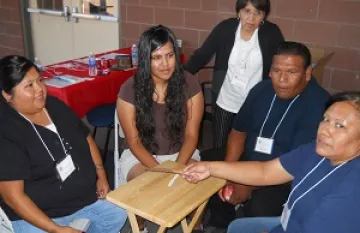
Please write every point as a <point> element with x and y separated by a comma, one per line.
<point>160,93</point>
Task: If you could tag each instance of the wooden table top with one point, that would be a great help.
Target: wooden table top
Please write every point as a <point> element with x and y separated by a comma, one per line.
<point>150,197</point>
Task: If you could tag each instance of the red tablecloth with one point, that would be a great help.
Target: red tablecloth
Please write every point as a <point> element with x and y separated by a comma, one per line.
<point>83,96</point>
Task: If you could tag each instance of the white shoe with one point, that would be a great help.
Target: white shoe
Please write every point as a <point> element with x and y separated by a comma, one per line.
<point>145,230</point>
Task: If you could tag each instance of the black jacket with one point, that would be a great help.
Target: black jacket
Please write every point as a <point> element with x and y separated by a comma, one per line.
<point>220,43</point>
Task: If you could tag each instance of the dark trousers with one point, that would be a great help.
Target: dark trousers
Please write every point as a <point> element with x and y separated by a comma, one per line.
<point>222,123</point>
<point>264,202</point>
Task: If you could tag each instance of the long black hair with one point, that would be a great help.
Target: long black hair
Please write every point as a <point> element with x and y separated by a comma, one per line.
<point>175,99</point>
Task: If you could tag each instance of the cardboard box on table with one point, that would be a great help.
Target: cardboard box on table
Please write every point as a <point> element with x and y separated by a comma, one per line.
<point>319,61</point>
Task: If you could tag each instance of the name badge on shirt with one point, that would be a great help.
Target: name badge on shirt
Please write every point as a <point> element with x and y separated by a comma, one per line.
<point>285,216</point>
<point>264,145</point>
<point>65,168</point>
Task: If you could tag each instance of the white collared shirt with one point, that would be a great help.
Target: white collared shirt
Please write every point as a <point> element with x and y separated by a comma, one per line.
<point>244,72</point>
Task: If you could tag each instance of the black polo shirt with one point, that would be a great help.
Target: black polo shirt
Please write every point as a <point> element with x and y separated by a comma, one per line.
<point>24,157</point>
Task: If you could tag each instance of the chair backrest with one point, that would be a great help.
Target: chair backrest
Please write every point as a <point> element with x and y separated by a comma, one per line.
<point>5,223</point>
<point>119,133</point>
<point>206,89</point>
<point>207,92</point>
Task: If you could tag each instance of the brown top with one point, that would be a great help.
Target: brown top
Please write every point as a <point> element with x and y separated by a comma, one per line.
<point>127,94</point>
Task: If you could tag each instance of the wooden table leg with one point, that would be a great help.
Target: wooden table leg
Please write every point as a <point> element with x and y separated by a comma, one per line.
<point>184,225</point>
<point>133,222</point>
<point>188,228</point>
<point>161,229</point>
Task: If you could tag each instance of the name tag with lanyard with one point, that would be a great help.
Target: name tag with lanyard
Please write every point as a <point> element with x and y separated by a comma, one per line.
<point>263,144</point>
<point>286,214</point>
<point>65,167</point>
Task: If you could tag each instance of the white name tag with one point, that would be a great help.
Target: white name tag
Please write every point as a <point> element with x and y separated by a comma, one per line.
<point>285,216</point>
<point>65,168</point>
<point>264,145</point>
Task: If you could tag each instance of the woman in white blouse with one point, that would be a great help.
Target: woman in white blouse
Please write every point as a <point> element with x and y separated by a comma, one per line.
<point>243,49</point>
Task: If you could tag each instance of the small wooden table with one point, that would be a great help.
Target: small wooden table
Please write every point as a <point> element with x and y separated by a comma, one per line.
<point>150,197</point>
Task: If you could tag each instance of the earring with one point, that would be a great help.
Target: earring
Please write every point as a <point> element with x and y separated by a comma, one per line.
<point>262,22</point>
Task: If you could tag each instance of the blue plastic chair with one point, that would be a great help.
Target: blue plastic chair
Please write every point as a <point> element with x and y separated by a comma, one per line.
<point>102,116</point>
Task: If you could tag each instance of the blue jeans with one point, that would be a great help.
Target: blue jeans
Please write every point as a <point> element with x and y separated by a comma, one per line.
<point>253,225</point>
<point>104,217</point>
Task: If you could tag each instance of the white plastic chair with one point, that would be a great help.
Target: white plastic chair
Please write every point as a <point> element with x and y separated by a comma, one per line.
<point>5,223</point>
<point>119,133</point>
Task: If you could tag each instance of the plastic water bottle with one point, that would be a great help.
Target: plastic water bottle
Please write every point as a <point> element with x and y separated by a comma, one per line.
<point>38,64</point>
<point>92,65</point>
<point>134,55</point>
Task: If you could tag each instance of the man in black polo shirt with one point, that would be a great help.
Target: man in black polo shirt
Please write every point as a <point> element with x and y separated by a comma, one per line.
<point>278,115</point>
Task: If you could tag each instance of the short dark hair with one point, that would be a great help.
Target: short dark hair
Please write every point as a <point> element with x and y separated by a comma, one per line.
<point>261,5</point>
<point>295,48</point>
<point>13,70</point>
<point>345,96</point>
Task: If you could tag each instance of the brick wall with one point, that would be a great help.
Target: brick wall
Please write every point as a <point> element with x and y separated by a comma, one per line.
<point>331,24</point>
<point>11,34</point>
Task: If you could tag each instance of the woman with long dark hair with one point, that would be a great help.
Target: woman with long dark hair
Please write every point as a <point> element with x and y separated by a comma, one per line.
<point>160,108</point>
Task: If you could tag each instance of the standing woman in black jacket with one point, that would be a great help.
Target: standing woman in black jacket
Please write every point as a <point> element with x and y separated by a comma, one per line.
<point>243,49</point>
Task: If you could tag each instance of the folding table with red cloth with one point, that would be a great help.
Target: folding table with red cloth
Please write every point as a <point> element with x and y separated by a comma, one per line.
<point>86,95</point>
<point>83,96</point>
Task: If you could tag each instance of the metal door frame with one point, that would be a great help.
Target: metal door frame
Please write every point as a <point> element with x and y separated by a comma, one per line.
<point>26,26</point>
<point>73,15</point>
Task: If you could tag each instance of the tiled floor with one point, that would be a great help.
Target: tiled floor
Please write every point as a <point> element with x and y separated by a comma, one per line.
<point>109,165</point>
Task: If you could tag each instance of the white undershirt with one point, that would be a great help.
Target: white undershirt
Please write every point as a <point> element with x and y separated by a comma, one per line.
<point>245,69</point>
<point>52,127</point>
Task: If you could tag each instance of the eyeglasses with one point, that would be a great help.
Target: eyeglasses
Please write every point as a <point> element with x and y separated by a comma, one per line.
<point>247,13</point>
